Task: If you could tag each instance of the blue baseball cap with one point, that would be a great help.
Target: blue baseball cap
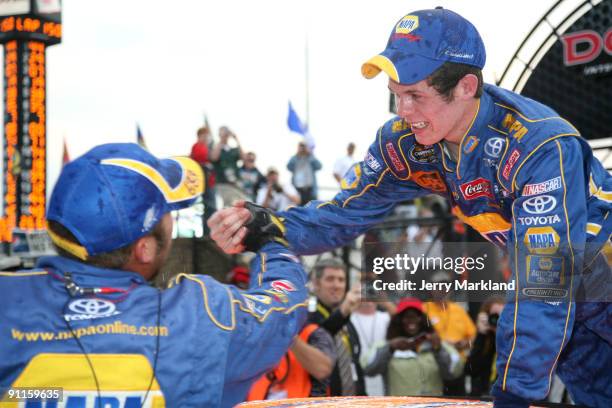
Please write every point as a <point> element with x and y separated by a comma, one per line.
<point>424,40</point>
<point>116,193</point>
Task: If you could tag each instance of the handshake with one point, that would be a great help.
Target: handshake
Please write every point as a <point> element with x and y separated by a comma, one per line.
<point>245,226</point>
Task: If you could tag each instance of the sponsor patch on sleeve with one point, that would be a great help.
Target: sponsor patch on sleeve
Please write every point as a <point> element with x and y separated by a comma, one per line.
<point>351,178</point>
<point>372,163</point>
<point>510,162</point>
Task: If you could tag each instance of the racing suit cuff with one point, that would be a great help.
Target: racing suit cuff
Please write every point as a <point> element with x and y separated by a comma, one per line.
<point>508,400</point>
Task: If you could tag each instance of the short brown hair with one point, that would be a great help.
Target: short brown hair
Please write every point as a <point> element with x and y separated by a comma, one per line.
<point>114,259</point>
<point>333,263</point>
<point>445,79</point>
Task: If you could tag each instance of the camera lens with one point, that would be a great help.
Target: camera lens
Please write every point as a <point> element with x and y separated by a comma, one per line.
<point>493,318</point>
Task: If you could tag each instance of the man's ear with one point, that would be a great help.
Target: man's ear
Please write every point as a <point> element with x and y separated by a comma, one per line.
<point>466,87</point>
<point>145,250</point>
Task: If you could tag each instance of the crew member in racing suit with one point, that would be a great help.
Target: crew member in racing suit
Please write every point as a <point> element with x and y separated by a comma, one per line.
<point>88,321</point>
<point>513,170</point>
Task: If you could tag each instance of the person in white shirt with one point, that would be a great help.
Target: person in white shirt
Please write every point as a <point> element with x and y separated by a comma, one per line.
<point>344,163</point>
<point>371,326</point>
<point>275,195</point>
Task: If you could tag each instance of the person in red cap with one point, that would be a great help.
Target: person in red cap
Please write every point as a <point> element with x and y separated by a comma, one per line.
<point>414,361</point>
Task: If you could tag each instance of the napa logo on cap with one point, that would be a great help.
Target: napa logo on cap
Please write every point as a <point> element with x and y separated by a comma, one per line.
<point>407,24</point>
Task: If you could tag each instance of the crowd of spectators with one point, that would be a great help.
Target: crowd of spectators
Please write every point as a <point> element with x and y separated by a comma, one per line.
<point>226,163</point>
<point>352,345</point>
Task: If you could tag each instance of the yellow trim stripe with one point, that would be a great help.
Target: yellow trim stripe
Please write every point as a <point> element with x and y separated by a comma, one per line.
<point>463,138</point>
<point>516,302</point>
<point>604,195</point>
<point>233,301</point>
<point>366,188</point>
<point>535,120</point>
<point>326,203</point>
<point>18,275</point>
<point>377,63</point>
<point>569,241</point>
<point>593,228</point>
<point>75,249</point>
<point>262,318</point>
<point>262,269</point>
<point>205,299</point>
<point>443,154</point>
<point>501,160</point>
<point>497,130</point>
<point>191,185</point>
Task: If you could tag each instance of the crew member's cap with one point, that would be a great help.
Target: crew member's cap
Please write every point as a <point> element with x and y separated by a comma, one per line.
<point>116,193</point>
<point>409,303</point>
<point>424,40</point>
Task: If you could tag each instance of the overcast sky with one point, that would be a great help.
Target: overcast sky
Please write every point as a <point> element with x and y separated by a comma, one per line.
<point>164,64</point>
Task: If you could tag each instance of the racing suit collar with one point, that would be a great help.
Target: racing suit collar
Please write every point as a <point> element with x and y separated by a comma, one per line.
<point>483,117</point>
<point>90,275</point>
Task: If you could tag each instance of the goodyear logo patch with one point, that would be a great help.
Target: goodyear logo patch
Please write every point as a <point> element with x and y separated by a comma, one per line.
<point>547,270</point>
<point>351,178</point>
<point>542,240</point>
<point>407,24</point>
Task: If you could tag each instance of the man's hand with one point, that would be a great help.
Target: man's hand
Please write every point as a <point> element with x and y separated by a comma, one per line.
<point>227,227</point>
<point>351,301</point>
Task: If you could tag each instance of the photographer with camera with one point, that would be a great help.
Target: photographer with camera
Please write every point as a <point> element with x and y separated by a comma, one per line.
<point>274,195</point>
<point>415,361</point>
<point>480,364</point>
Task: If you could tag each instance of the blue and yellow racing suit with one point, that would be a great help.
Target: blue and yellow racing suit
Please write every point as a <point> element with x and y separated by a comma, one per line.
<point>527,181</point>
<point>197,344</point>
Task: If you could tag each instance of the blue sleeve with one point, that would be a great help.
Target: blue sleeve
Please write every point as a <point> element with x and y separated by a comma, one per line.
<point>291,164</point>
<point>268,315</point>
<point>316,164</point>
<point>369,191</point>
<point>546,247</point>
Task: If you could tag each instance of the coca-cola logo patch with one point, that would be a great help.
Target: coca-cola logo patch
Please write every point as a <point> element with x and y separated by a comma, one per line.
<point>480,187</point>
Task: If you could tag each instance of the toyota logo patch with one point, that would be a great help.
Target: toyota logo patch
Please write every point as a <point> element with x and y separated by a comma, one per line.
<point>540,204</point>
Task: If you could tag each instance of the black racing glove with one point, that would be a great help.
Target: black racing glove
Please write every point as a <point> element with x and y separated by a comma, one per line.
<point>263,227</point>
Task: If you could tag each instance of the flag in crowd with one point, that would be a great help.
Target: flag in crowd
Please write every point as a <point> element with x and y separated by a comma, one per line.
<point>296,125</point>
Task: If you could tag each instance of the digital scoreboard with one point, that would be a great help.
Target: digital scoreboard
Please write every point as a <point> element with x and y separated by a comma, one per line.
<point>27,28</point>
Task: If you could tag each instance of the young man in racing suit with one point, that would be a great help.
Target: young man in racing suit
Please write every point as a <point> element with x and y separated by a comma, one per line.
<point>89,322</point>
<point>512,169</point>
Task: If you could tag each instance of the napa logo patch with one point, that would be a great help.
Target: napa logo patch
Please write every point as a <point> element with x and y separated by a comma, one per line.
<point>407,24</point>
<point>351,178</point>
<point>123,380</point>
<point>90,308</point>
<point>542,240</point>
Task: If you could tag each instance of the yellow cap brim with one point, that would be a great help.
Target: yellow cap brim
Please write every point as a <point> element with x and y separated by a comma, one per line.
<point>377,63</point>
